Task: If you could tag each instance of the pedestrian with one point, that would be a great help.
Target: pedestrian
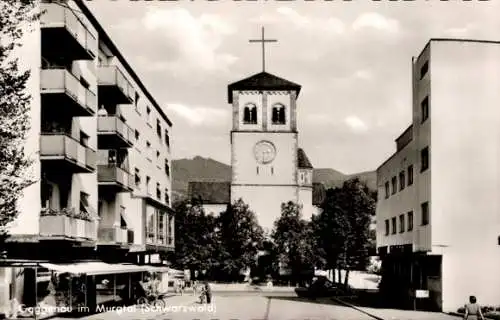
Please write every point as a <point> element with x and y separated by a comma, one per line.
<point>473,310</point>
<point>208,292</point>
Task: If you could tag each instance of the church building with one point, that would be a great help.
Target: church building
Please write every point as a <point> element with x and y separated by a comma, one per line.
<point>268,166</point>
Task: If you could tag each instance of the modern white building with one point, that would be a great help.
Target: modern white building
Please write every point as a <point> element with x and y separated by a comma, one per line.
<point>101,161</point>
<point>438,218</point>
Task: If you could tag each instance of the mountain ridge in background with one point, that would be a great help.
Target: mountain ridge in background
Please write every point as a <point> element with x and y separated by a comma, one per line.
<point>207,169</point>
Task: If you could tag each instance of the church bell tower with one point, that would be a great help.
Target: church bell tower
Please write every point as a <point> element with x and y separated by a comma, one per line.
<point>264,143</point>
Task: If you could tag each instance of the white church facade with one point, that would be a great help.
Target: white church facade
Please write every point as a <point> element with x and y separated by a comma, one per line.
<point>268,166</point>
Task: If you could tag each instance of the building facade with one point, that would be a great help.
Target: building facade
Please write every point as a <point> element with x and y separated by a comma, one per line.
<point>438,223</point>
<point>101,156</point>
<point>268,167</point>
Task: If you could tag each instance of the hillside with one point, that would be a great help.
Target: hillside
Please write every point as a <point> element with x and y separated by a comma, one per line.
<point>206,169</point>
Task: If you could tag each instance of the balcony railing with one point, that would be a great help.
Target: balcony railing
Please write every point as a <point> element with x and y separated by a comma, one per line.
<point>58,224</point>
<point>113,176</point>
<point>64,34</point>
<point>113,133</point>
<point>114,86</point>
<point>112,235</point>
<point>74,97</point>
<point>66,153</point>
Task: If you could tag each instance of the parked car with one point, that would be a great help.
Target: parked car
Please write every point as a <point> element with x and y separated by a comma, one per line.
<point>322,287</point>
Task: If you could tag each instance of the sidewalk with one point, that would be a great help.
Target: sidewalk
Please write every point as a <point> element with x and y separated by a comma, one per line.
<point>396,314</point>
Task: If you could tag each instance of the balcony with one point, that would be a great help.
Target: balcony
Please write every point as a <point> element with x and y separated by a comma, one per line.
<point>113,133</point>
<point>65,225</point>
<point>113,178</point>
<point>63,93</point>
<point>65,154</point>
<point>65,35</point>
<point>115,236</point>
<point>113,86</point>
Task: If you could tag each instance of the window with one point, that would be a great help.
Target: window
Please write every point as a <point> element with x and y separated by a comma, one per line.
<point>167,138</point>
<point>137,135</point>
<point>387,227</point>
<point>272,170</point>
<point>410,175</point>
<point>424,159</point>
<point>137,178</point>
<point>278,114</point>
<point>157,154</point>
<point>387,189</point>
<point>158,191</point>
<point>84,202</point>
<point>401,223</point>
<point>257,170</point>
<point>250,114</point>
<point>136,101</point>
<point>84,139</point>
<point>167,167</point>
<point>148,181</point>
<point>424,109</point>
<point>394,225</point>
<point>148,115</point>
<point>425,213</point>
<point>158,128</point>
<point>401,180</point>
<point>167,197</point>
<point>394,185</point>
<point>424,69</point>
<point>410,220</point>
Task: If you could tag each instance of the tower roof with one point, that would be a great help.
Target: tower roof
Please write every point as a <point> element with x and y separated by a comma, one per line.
<point>303,161</point>
<point>261,81</point>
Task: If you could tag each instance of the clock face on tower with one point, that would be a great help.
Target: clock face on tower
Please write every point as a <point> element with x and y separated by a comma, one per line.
<point>264,152</point>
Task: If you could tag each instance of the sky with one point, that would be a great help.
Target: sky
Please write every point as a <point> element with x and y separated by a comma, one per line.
<point>352,59</point>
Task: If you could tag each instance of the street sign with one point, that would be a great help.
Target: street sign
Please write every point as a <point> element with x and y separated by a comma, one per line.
<point>422,293</point>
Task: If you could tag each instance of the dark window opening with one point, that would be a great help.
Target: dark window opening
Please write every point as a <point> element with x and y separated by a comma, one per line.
<point>250,114</point>
<point>424,159</point>
<point>278,114</point>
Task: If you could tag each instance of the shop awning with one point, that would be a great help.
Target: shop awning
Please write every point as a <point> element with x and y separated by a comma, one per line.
<point>94,268</point>
<point>158,269</point>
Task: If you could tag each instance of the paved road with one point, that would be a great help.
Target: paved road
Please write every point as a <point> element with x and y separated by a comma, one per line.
<point>263,308</point>
<point>242,308</point>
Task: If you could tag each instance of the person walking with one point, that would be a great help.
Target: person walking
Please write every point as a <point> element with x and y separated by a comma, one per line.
<point>473,310</point>
<point>208,292</point>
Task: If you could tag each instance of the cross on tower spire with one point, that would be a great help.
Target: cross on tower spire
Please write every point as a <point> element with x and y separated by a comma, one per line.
<point>263,41</point>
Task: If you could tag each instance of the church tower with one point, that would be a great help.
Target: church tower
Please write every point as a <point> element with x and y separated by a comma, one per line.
<point>264,143</point>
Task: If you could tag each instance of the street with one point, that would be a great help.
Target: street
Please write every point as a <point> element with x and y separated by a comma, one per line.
<point>244,307</point>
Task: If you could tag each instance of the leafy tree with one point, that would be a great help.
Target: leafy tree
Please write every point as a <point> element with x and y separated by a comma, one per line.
<point>241,238</point>
<point>195,237</point>
<point>15,16</point>
<point>293,237</point>
<point>342,229</point>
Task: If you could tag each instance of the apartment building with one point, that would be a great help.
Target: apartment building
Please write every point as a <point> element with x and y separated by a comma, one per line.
<point>100,207</point>
<point>438,223</point>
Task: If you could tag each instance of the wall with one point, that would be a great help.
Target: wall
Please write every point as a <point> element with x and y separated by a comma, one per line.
<point>305,199</point>
<point>465,165</point>
<point>265,201</point>
<point>244,164</point>
<point>214,209</point>
<point>29,204</point>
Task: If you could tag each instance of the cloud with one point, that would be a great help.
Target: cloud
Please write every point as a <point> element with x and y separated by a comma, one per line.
<point>355,124</point>
<point>199,116</point>
<point>185,42</point>
<point>460,32</point>
<point>317,25</point>
<point>375,21</point>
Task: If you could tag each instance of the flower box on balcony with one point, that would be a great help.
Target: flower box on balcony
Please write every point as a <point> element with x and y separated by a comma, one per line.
<point>55,226</point>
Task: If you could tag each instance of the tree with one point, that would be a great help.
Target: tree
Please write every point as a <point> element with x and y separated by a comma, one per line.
<point>195,237</point>
<point>342,229</point>
<point>293,237</point>
<point>15,16</point>
<point>241,238</point>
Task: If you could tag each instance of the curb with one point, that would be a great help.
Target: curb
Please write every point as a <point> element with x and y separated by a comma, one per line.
<point>357,309</point>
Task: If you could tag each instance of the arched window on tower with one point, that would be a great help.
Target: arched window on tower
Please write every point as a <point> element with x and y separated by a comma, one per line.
<point>250,114</point>
<point>278,114</point>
